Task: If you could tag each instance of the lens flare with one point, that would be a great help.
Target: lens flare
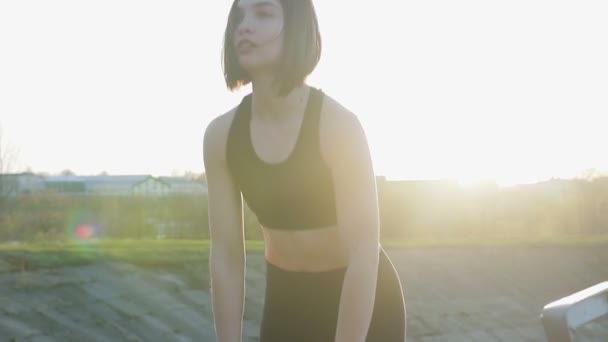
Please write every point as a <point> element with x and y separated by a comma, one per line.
<point>84,231</point>
<point>81,226</point>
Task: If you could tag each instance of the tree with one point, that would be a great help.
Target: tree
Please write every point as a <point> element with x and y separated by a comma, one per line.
<point>591,174</point>
<point>8,156</point>
<point>193,176</point>
<point>67,172</point>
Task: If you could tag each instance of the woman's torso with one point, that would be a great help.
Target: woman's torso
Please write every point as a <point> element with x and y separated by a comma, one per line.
<point>313,249</point>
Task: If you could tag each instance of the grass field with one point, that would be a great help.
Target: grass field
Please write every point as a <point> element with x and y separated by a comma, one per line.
<point>171,253</point>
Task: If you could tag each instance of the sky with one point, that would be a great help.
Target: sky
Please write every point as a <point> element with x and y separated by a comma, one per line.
<point>512,91</point>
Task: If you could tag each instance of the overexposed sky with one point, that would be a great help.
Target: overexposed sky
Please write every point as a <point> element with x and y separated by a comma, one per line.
<point>515,91</point>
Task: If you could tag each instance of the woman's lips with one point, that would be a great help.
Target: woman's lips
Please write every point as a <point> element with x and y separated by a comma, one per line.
<point>245,46</point>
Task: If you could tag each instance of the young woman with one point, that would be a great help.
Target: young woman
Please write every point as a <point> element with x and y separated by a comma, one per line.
<point>301,162</point>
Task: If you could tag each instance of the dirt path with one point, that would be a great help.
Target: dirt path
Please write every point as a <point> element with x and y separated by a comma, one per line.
<point>494,294</point>
<point>452,294</point>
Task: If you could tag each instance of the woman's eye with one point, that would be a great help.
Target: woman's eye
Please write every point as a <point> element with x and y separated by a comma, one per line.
<point>264,14</point>
<point>238,17</point>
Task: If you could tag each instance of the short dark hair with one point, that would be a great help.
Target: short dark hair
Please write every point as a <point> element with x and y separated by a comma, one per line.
<point>301,47</point>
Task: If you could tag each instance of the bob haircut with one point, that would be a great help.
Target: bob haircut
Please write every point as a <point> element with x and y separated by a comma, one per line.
<point>301,47</point>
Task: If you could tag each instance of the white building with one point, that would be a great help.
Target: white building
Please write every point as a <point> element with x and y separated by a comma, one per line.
<point>151,186</point>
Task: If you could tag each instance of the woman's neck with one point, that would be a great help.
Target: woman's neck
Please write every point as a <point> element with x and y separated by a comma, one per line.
<point>268,105</point>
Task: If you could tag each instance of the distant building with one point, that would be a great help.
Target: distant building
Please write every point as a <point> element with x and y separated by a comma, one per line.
<point>94,185</point>
<point>15,184</point>
<point>181,185</point>
<point>151,186</point>
<point>127,185</point>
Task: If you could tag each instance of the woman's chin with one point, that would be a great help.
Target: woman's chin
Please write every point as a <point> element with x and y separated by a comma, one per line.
<point>254,67</point>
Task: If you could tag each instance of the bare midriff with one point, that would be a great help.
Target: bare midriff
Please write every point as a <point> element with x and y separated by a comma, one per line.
<point>311,250</point>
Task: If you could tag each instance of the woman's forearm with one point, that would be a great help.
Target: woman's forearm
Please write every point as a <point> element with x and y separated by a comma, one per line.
<point>228,296</point>
<point>357,299</point>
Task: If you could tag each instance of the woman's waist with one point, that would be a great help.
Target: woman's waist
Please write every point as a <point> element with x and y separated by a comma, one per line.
<point>305,255</point>
<point>302,259</point>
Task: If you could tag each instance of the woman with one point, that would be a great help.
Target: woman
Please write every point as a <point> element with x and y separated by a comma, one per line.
<point>301,162</point>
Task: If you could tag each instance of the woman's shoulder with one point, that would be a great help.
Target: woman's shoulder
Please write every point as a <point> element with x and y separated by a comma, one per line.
<point>336,119</point>
<point>339,127</point>
<point>221,123</point>
<point>216,133</point>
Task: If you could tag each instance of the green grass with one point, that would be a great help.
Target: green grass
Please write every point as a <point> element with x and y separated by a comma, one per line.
<point>145,253</point>
<point>181,253</point>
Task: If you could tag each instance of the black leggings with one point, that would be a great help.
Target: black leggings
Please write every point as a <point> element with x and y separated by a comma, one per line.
<point>303,306</point>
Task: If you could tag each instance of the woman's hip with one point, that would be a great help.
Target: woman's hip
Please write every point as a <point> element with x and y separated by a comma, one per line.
<point>304,306</point>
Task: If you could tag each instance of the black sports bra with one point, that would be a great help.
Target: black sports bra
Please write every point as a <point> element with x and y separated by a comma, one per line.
<point>295,194</point>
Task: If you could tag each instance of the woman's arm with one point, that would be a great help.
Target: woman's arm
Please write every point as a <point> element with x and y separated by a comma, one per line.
<point>358,218</point>
<point>227,254</point>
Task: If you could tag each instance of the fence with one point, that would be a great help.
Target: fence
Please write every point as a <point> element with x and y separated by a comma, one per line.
<point>559,318</point>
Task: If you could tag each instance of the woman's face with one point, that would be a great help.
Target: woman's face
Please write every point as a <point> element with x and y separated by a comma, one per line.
<point>258,35</point>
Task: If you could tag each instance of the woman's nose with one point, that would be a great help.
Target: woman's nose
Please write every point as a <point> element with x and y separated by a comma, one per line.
<point>245,26</point>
